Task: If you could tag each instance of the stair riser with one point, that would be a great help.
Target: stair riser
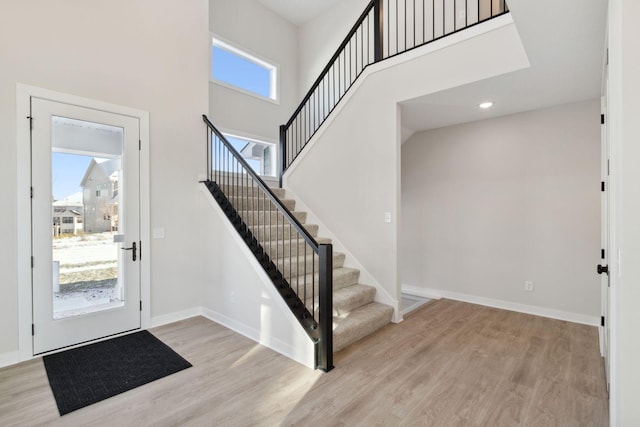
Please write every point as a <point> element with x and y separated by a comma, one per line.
<point>345,306</point>
<point>298,266</point>
<point>282,248</point>
<point>233,190</point>
<point>285,248</point>
<point>339,282</point>
<point>273,233</point>
<point>252,203</point>
<point>341,341</point>
<point>266,217</point>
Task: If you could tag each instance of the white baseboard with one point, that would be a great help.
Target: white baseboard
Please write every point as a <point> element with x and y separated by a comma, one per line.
<point>9,358</point>
<point>13,357</point>
<point>505,305</point>
<point>175,316</point>
<point>274,344</point>
<point>422,292</point>
<point>305,358</point>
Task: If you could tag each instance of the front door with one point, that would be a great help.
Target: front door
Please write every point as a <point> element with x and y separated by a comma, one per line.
<point>85,224</point>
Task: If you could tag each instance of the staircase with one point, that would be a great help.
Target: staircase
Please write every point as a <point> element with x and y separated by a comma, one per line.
<point>355,313</point>
<point>325,296</point>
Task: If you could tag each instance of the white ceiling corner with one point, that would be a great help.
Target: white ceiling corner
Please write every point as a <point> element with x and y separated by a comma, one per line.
<point>298,11</point>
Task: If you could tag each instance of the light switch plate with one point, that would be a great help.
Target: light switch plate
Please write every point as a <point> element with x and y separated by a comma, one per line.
<point>158,233</point>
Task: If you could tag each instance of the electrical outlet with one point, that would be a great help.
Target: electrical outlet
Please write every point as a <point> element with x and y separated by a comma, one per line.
<point>387,217</point>
<point>158,232</point>
<point>528,286</point>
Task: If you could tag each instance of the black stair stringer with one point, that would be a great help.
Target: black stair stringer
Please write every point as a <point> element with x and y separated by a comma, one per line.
<point>294,303</point>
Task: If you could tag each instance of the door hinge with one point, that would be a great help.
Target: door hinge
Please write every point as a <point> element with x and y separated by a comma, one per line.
<point>140,251</point>
<point>33,330</point>
<point>602,321</point>
<point>601,119</point>
<point>140,305</point>
<point>139,145</point>
<point>31,192</point>
<point>602,186</point>
<point>30,122</point>
<point>602,253</point>
<point>32,263</point>
<point>607,57</point>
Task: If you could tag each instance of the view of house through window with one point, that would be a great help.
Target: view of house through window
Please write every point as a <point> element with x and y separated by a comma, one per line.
<point>260,155</point>
<point>232,67</point>
<point>86,164</point>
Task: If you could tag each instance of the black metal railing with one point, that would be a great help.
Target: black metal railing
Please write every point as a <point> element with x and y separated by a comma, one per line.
<point>385,29</point>
<point>300,267</point>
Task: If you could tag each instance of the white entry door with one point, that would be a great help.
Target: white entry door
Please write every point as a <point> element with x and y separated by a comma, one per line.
<point>86,248</point>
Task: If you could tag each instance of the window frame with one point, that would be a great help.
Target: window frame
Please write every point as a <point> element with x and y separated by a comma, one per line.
<point>272,67</point>
<point>259,140</point>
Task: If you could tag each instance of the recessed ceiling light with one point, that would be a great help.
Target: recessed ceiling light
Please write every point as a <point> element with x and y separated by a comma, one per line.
<point>486,105</point>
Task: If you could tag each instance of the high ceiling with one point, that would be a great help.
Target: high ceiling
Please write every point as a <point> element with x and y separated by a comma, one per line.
<point>564,41</point>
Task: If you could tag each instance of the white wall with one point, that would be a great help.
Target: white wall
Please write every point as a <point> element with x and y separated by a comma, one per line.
<point>141,54</point>
<point>250,26</point>
<point>489,205</point>
<point>319,38</point>
<point>624,69</point>
<point>349,175</point>
<point>238,293</point>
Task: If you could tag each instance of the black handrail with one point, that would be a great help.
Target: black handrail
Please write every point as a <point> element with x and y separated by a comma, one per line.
<point>335,79</point>
<point>264,187</point>
<point>335,56</point>
<point>233,178</point>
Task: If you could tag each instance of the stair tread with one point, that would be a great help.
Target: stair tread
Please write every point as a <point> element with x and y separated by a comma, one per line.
<point>348,298</point>
<point>267,211</point>
<point>358,323</point>
<point>320,240</point>
<point>289,265</point>
<point>274,231</point>
<point>336,256</point>
<point>258,197</point>
<point>342,297</point>
<point>342,277</point>
<point>243,204</point>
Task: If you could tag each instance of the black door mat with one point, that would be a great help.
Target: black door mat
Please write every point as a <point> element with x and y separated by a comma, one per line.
<point>85,375</point>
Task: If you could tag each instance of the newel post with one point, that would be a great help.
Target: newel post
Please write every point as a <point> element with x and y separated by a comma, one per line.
<point>283,151</point>
<point>324,357</point>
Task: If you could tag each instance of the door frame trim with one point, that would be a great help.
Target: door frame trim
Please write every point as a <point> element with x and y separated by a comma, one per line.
<point>23,204</point>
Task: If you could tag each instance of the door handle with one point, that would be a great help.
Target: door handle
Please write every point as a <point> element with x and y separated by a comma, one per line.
<point>132,248</point>
<point>603,269</point>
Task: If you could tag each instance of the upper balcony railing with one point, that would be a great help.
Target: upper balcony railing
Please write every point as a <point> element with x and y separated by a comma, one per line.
<point>385,29</point>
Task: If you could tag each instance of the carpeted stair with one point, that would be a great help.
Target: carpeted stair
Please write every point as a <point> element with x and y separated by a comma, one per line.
<point>355,313</point>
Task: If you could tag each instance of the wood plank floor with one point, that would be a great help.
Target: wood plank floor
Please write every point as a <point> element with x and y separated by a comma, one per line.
<point>448,364</point>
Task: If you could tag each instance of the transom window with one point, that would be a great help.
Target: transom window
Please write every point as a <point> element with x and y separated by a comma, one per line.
<point>240,70</point>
